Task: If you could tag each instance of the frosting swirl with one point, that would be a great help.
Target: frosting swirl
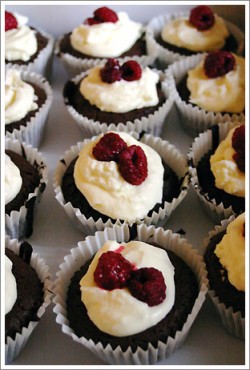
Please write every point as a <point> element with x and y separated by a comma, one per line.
<point>106,40</point>
<point>13,180</point>
<point>10,286</point>
<point>117,312</point>
<point>106,190</point>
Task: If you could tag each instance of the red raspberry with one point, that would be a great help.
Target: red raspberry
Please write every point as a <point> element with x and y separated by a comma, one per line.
<point>91,21</point>
<point>105,14</point>
<point>112,271</point>
<point>147,284</point>
<point>202,17</point>
<point>238,143</point>
<point>10,21</point>
<point>109,147</point>
<point>133,165</point>
<point>131,71</point>
<point>111,71</point>
<point>218,63</point>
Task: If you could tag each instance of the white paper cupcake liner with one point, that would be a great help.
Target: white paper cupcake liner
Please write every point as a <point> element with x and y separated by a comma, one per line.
<point>16,224</point>
<point>151,124</point>
<point>33,132</point>
<point>166,57</point>
<point>169,154</point>
<point>41,64</point>
<point>89,247</point>
<point>232,321</point>
<point>201,145</point>
<point>74,65</point>
<point>13,347</point>
<point>194,119</point>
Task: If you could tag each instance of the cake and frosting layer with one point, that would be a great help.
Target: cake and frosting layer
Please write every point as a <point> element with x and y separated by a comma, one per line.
<point>231,252</point>
<point>20,42</point>
<point>121,96</point>
<point>117,312</point>
<point>106,40</point>
<point>13,180</point>
<point>10,286</point>
<point>20,97</point>
<point>221,94</point>
<point>106,190</point>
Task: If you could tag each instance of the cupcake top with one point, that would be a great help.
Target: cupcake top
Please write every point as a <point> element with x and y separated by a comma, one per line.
<point>120,89</point>
<point>13,180</point>
<point>201,31</point>
<point>128,288</point>
<point>231,252</point>
<point>106,35</point>
<point>119,176</point>
<point>10,286</point>
<point>20,39</point>
<point>228,162</point>
<point>217,83</point>
<point>20,97</point>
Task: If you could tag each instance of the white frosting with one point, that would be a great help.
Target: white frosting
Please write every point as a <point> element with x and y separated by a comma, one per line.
<point>180,32</point>
<point>20,42</point>
<point>117,312</point>
<point>106,40</point>
<point>13,180</point>
<point>221,94</point>
<point>121,96</point>
<point>19,97</point>
<point>107,191</point>
<point>10,286</point>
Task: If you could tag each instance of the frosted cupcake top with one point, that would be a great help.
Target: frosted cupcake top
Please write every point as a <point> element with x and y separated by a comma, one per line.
<point>119,176</point>
<point>106,35</point>
<point>10,286</point>
<point>13,180</point>
<point>20,39</point>
<point>114,289</point>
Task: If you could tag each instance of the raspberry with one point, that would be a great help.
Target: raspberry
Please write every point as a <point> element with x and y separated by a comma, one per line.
<point>218,63</point>
<point>10,21</point>
<point>131,71</point>
<point>133,165</point>
<point>238,143</point>
<point>91,21</point>
<point>147,284</point>
<point>105,14</point>
<point>109,147</point>
<point>111,71</point>
<point>202,17</point>
<point>112,271</point>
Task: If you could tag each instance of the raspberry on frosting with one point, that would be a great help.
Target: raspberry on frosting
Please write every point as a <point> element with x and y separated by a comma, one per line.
<point>238,143</point>
<point>112,71</point>
<point>202,17</point>
<point>131,71</point>
<point>102,15</point>
<point>109,147</point>
<point>218,63</point>
<point>10,21</point>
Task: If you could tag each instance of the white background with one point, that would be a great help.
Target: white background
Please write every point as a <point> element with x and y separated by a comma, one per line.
<point>208,342</point>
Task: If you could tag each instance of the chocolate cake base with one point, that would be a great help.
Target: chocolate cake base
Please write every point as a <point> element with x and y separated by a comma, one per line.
<point>139,49</point>
<point>41,95</point>
<point>171,189</point>
<point>29,295</point>
<point>186,292</point>
<point>218,279</point>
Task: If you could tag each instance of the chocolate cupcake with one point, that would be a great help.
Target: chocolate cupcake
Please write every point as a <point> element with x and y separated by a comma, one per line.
<point>25,181</point>
<point>144,338</point>
<point>146,192</point>
<point>28,98</point>
<point>208,89</point>
<point>217,166</point>
<point>224,254</point>
<point>26,47</point>
<point>105,35</point>
<point>27,294</point>
<point>118,97</point>
<point>173,37</point>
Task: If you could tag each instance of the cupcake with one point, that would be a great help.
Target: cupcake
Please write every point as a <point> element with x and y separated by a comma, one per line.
<point>173,37</point>
<point>26,47</point>
<point>25,180</point>
<point>118,97</point>
<point>208,89</point>
<point>28,98</point>
<point>225,260</point>
<point>114,179</point>
<point>153,285</point>
<point>105,35</point>
<point>217,167</point>
<point>27,294</point>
